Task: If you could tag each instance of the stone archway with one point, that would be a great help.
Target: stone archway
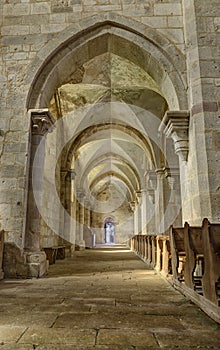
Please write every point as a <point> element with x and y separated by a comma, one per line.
<point>63,64</point>
<point>54,62</point>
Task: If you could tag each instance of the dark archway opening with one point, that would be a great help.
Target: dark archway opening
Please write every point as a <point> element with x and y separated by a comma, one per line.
<point>109,231</point>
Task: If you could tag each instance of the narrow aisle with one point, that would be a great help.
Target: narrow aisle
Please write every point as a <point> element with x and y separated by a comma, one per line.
<point>101,299</point>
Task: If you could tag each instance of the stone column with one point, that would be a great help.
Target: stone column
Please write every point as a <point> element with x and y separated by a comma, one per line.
<point>136,219</point>
<point>144,211</point>
<point>69,208</point>
<point>87,212</point>
<point>174,210</point>
<point>41,123</point>
<point>175,125</point>
<point>159,209</point>
<point>72,208</point>
<point>132,205</point>
<point>151,184</point>
<point>79,239</point>
<point>139,210</point>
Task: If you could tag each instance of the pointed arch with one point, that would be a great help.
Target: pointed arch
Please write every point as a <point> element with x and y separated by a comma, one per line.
<point>157,55</point>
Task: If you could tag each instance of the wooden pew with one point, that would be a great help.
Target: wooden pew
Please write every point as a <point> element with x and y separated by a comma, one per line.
<point>194,255</point>
<point>211,248</point>
<point>163,255</point>
<point>177,252</point>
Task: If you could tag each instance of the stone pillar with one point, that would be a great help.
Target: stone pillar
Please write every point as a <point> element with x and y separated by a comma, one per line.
<point>159,209</point>
<point>69,228</point>
<point>151,184</point>
<point>144,211</point>
<point>41,123</point>
<point>136,219</point>
<point>87,212</point>
<point>139,210</point>
<point>80,243</point>
<point>175,125</point>
<point>62,199</point>
<point>67,206</point>
<point>201,24</point>
<point>72,208</point>
<point>174,210</point>
<point>132,205</point>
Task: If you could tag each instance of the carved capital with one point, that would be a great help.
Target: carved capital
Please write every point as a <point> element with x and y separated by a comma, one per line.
<point>138,196</point>
<point>175,124</point>
<point>132,205</point>
<point>41,121</point>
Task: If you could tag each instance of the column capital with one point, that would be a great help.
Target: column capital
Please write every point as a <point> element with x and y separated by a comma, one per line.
<point>41,121</point>
<point>175,124</point>
<point>138,196</point>
<point>168,172</point>
<point>132,205</point>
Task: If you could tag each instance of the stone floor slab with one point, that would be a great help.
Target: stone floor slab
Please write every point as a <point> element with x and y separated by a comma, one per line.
<point>60,336</point>
<point>205,339</point>
<point>126,337</point>
<point>10,334</point>
<point>101,299</point>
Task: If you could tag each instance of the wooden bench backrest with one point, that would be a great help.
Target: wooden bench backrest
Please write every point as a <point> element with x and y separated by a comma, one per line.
<point>178,236</point>
<point>195,234</point>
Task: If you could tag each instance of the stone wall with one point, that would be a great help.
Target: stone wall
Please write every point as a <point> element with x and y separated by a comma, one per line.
<point>201,19</point>
<point>27,26</point>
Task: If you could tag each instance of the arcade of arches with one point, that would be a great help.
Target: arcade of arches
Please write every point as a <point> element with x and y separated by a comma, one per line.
<point>109,126</point>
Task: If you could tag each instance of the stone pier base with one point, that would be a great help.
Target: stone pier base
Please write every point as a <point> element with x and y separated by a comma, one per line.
<point>80,245</point>
<point>37,264</point>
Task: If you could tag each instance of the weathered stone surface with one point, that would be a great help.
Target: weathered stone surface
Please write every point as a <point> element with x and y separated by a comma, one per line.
<point>13,261</point>
<point>58,336</point>
<point>6,334</point>
<point>76,306</point>
<point>153,55</point>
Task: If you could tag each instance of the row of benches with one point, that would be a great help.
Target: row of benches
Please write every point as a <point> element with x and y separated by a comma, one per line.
<point>190,257</point>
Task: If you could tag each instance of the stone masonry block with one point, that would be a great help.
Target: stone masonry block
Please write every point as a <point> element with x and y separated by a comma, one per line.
<point>12,171</point>
<point>12,20</point>
<point>168,9</point>
<point>102,8</point>
<point>175,21</point>
<point>40,8</point>
<point>155,22</point>
<point>138,10</point>
<point>15,30</point>
<point>52,28</point>
<point>16,9</point>
<point>35,19</point>
<point>174,35</point>
<point>57,18</point>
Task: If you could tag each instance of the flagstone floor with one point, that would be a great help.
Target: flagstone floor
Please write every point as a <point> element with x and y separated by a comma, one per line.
<point>106,299</point>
